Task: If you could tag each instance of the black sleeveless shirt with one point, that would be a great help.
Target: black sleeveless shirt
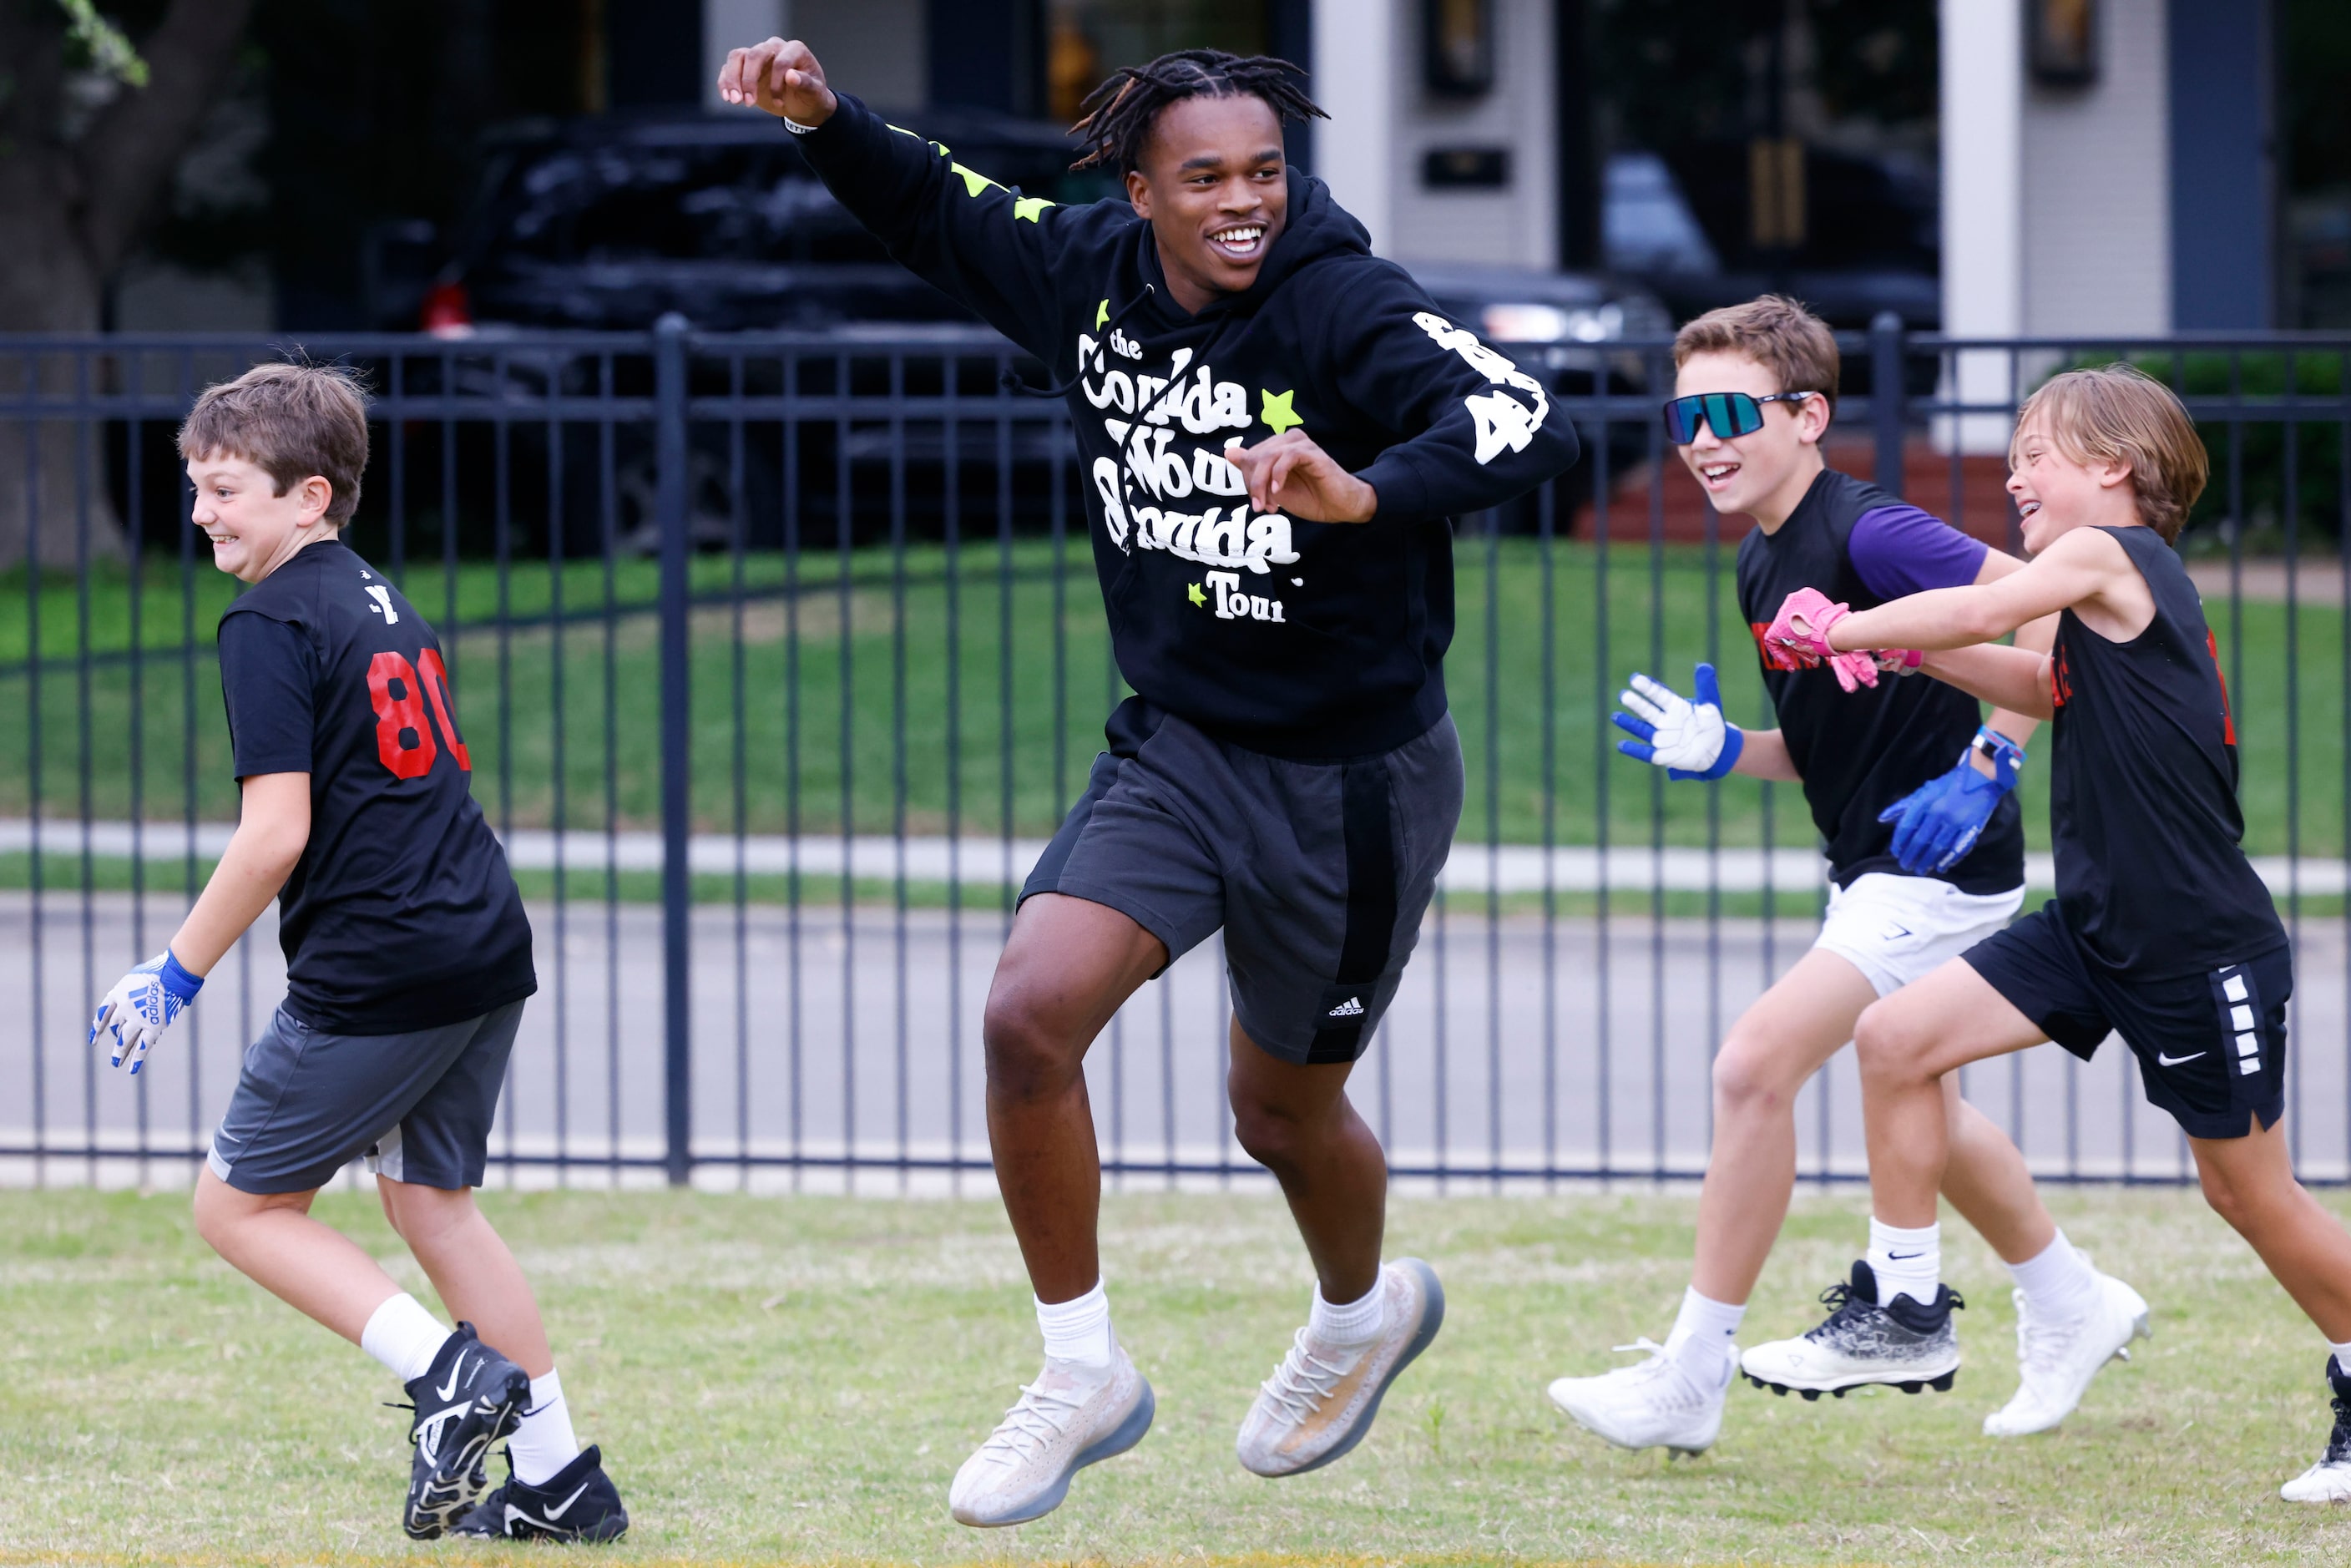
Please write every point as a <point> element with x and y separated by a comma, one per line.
<point>1860,753</point>
<point>2143,812</point>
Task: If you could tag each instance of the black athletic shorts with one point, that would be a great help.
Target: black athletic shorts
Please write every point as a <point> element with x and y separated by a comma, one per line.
<point>417,1106</point>
<point>1319,872</point>
<point>2210,1043</point>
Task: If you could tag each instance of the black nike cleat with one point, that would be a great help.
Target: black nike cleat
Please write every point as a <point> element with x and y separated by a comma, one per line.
<point>579,1502</point>
<point>471,1397</point>
<point>1899,1342</point>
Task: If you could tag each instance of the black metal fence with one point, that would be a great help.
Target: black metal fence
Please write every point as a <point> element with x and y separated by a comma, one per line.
<point>779,656</point>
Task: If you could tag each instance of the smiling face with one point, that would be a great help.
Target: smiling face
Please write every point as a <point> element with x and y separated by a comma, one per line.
<point>1215,190</point>
<point>1764,474</point>
<point>2056,493</point>
<point>253,530</point>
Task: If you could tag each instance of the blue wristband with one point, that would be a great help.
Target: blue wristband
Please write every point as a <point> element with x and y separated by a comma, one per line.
<point>2007,757</point>
<point>178,981</point>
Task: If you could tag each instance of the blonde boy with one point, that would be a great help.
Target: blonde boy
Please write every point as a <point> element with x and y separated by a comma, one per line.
<point>2160,930</point>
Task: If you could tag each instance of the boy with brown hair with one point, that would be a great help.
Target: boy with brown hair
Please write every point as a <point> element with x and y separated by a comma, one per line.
<point>1925,858</point>
<point>2161,931</point>
<point>407,964</point>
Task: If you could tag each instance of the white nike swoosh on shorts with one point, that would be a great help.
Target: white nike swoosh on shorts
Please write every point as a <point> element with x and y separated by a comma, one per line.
<point>2163,1060</point>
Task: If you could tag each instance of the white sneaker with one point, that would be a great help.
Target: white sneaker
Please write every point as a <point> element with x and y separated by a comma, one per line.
<point>1322,1399</point>
<point>2057,1360</point>
<point>2329,1480</point>
<point>1656,1403</point>
<point>1071,1416</point>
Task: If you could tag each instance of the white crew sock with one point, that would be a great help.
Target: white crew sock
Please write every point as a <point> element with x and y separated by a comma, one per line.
<point>1357,1322</point>
<point>1702,1332</point>
<point>2341,1357</point>
<point>1906,1262</point>
<point>2058,1282</point>
<point>543,1443</point>
<point>1077,1330</point>
<point>404,1336</point>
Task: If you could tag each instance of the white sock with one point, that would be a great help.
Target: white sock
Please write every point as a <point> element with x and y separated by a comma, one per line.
<point>2341,1357</point>
<point>2059,1282</point>
<point>404,1336</point>
<point>1906,1262</point>
<point>1703,1329</point>
<point>1077,1330</point>
<point>543,1443</point>
<point>1357,1322</point>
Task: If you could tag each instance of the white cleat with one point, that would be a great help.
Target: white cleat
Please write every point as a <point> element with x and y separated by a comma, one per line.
<point>1322,1398</point>
<point>2057,1360</point>
<point>1656,1403</point>
<point>2329,1480</point>
<point>1071,1416</point>
<point>1900,1343</point>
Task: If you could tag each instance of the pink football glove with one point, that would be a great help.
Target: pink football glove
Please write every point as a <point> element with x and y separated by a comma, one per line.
<point>1803,625</point>
<point>1900,661</point>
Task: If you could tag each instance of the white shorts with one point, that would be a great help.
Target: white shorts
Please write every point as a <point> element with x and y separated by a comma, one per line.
<point>1895,928</point>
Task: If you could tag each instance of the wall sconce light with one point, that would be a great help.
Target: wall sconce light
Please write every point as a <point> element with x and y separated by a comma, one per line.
<point>2062,41</point>
<point>1458,43</point>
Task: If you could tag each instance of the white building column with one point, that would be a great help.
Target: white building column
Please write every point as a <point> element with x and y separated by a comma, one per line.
<point>1355,82</point>
<point>1982,66</point>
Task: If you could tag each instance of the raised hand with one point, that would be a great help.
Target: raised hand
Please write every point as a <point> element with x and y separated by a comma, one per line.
<point>781,75</point>
<point>1288,472</point>
<point>142,1005</point>
<point>1687,738</point>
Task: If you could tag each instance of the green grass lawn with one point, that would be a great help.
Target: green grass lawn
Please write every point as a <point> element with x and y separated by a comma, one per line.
<point>972,692</point>
<point>797,1379</point>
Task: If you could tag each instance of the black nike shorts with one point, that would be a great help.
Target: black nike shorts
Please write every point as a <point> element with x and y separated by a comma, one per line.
<point>2210,1043</point>
<point>417,1106</point>
<point>1318,872</point>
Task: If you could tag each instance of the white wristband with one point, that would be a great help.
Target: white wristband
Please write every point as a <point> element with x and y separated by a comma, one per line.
<point>796,128</point>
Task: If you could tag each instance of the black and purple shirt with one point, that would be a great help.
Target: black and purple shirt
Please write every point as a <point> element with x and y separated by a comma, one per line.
<point>1860,753</point>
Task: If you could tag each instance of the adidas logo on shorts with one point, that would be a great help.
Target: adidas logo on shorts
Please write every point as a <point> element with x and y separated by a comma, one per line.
<point>1353,1008</point>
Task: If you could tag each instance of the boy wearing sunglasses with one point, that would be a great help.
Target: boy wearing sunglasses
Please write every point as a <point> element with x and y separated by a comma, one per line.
<point>1925,845</point>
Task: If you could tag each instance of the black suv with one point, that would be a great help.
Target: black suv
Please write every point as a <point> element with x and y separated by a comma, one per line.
<point>607,223</point>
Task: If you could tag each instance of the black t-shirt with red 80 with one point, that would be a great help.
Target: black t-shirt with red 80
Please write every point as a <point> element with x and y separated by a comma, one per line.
<point>401,914</point>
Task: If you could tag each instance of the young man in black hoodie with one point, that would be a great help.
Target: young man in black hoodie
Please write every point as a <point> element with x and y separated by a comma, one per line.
<point>1274,427</point>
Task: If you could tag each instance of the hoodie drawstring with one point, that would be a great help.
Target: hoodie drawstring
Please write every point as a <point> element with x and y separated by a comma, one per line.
<point>1011,380</point>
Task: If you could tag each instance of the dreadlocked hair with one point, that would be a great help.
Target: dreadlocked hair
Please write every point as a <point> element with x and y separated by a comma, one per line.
<point>1120,113</point>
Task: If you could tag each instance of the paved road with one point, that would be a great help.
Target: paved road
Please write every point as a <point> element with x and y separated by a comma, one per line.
<point>1505,1047</point>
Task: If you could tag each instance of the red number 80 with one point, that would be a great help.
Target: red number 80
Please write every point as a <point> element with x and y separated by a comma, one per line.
<point>401,716</point>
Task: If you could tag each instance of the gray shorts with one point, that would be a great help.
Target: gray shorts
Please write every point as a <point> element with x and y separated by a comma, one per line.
<point>418,1106</point>
<point>1318,872</point>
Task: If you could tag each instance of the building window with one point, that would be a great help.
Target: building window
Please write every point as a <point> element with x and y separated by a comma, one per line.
<point>1091,38</point>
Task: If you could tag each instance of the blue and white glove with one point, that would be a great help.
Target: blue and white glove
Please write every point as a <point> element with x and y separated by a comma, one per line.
<point>142,1005</point>
<point>1938,822</point>
<point>1687,740</point>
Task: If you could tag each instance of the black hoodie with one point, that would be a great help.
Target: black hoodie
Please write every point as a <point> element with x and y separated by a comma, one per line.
<point>1302,640</point>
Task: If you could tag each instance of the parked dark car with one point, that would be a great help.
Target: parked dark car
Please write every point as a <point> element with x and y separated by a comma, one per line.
<point>608,224</point>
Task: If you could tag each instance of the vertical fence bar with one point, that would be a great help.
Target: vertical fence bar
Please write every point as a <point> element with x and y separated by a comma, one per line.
<point>1886,400</point>
<point>676,736</point>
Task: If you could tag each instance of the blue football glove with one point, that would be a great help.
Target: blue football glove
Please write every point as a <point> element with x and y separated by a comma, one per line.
<point>1938,822</point>
<point>142,1005</point>
<point>1687,738</point>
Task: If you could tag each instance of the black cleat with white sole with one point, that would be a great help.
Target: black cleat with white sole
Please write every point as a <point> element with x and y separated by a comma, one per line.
<point>579,1502</point>
<point>471,1397</point>
<point>1901,1344</point>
